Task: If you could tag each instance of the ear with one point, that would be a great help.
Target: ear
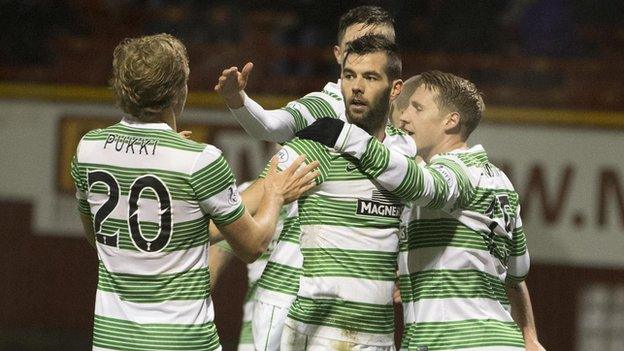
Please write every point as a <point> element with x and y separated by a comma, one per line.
<point>452,121</point>
<point>397,85</point>
<point>338,54</point>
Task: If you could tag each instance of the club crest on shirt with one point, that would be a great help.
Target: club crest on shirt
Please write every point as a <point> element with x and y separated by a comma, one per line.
<point>282,156</point>
<point>233,198</point>
<point>351,167</point>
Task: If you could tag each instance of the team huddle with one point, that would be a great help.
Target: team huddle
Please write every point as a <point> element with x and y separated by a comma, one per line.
<point>374,194</point>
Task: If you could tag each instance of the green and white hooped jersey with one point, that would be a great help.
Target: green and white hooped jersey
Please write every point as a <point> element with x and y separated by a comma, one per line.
<point>326,103</point>
<point>349,241</point>
<point>279,283</point>
<point>150,194</point>
<point>464,242</point>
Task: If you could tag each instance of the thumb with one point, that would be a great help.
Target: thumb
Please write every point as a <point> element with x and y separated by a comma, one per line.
<point>245,72</point>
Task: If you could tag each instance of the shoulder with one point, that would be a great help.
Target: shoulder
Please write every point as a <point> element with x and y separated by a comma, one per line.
<point>400,141</point>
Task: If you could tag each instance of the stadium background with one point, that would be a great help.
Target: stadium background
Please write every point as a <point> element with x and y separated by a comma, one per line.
<point>552,75</point>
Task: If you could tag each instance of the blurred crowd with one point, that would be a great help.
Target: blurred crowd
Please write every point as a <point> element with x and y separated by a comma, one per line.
<point>43,40</point>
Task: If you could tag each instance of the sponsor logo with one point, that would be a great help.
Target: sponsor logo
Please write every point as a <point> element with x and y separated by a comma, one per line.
<point>380,209</point>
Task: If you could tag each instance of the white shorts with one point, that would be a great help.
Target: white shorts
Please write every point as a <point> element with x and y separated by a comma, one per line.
<point>292,340</point>
<point>267,324</point>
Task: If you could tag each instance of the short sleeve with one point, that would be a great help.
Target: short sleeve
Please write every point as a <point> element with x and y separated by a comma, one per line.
<point>519,261</point>
<point>215,188</point>
<point>77,174</point>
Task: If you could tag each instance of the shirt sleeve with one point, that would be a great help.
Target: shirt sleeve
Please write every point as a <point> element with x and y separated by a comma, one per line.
<point>313,151</point>
<point>82,187</point>
<point>519,261</point>
<point>280,125</point>
<point>215,188</point>
<point>442,184</point>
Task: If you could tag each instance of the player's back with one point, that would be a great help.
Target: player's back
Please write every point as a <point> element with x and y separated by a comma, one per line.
<point>147,190</point>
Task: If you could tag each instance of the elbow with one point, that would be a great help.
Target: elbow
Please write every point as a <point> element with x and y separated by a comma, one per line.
<point>251,257</point>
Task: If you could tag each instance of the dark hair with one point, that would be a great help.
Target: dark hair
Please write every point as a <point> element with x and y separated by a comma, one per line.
<point>369,44</point>
<point>367,15</point>
<point>455,94</point>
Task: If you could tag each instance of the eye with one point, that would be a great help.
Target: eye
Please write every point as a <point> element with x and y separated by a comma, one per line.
<point>348,75</point>
<point>370,78</point>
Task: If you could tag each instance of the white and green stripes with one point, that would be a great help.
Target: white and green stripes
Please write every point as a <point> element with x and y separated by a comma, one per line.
<point>118,334</point>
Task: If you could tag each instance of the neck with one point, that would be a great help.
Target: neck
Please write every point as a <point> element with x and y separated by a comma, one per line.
<point>380,133</point>
<point>168,117</point>
<point>447,145</point>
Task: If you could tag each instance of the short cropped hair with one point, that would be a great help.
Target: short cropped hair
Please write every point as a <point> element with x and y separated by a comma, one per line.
<point>455,94</point>
<point>148,74</point>
<point>367,15</point>
<point>369,44</point>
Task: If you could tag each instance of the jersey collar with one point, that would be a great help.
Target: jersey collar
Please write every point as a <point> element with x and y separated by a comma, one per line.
<point>134,122</point>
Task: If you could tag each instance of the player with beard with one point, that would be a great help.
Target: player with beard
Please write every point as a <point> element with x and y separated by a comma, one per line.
<point>349,225</point>
<point>277,287</point>
<point>467,253</point>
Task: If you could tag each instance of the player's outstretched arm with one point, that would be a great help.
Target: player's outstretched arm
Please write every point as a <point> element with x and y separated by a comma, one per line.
<point>433,186</point>
<point>522,313</point>
<point>271,125</point>
<point>250,236</point>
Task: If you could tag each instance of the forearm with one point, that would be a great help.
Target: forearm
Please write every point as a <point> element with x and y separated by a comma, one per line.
<point>87,225</point>
<point>220,257</point>
<point>395,172</point>
<point>270,125</point>
<point>522,311</point>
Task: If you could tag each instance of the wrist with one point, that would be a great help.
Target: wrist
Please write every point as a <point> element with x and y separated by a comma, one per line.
<point>236,100</point>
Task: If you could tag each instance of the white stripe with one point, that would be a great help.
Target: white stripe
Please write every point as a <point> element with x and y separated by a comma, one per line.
<point>350,238</point>
<point>358,189</point>
<point>152,263</point>
<point>326,332</point>
<point>396,171</point>
<point>454,258</point>
<point>346,288</point>
<point>248,310</point>
<point>287,253</point>
<point>166,159</point>
<point>459,309</point>
<point>109,304</point>
<point>223,202</point>
<point>274,298</point>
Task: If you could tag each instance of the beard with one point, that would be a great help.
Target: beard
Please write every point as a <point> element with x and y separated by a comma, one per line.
<point>376,115</point>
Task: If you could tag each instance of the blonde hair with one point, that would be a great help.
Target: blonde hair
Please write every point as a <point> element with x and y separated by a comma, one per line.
<point>148,74</point>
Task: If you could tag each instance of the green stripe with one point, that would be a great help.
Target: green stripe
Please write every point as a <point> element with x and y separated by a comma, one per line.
<point>177,184</point>
<point>300,121</point>
<point>120,334</point>
<point>246,336</point>
<point>280,278</point>
<point>230,217</point>
<point>326,262</point>
<point>318,107</point>
<point>314,152</point>
<point>473,333</point>
<point>346,315</point>
<point>291,231</point>
<point>212,179</point>
<point>317,209</point>
<point>189,285</point>
<point>440,284</point>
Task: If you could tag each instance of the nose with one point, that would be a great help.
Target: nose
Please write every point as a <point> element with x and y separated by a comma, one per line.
<point>358,86</point>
